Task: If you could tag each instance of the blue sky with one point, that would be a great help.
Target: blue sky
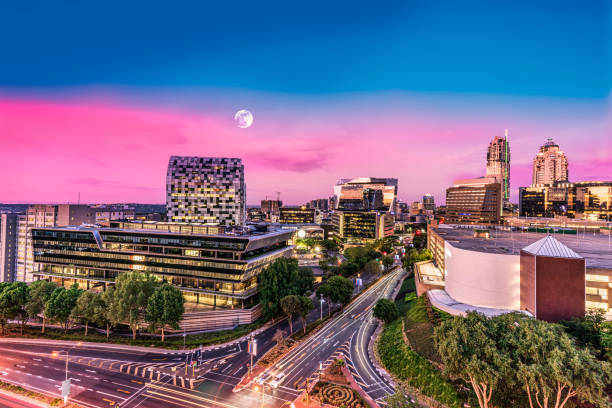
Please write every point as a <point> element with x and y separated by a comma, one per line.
<point>549,48</point>
<point>339,89</point>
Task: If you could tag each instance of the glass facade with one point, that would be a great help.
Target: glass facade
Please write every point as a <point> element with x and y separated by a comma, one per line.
<point>474,204</point>
<point>289,215</point>
<point>216,270</point>
<point>585,199</point>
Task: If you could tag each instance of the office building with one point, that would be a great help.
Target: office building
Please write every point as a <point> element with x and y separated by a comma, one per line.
<point>366,193</point>
<point>206,190</point>
<point>361,226</point>
<point>428,203</point>
<point>549,165</point>
<point>42,215</point>
<point>493,271</point>
<point>321,204</point>
<point>210,267</point>
<point>474,201</point>
<point>104,216</point>
<point>8,247</point>
<point>586,199</point>
<point>297,215</point>
<point>498,163</point>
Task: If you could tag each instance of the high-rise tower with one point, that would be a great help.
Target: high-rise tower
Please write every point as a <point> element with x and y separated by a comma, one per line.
<point>208,190</point>
<point>498,163</point>
<point>550,164</point>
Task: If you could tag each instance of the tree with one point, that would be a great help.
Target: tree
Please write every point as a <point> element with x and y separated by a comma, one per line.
<point>60,304</point>
<point>587,330</point>
<point>291,306</point>
<point>385,310</point>
<point>305,307</point>
<point>105,309</point>
<point>9,304</point>
<point>387,261</point>
<point>349,268</point>
<point>278,280</point>
<point>413,256</point>
<point>400,399</point>
<point>305,282</point>
<point>165,308</point>
<point>329,245</point>
<point>469,350</point>
<point>553,368</point>
<point>132,293</point>
<point>372,267</point>
<point>279,336</point>
<point>40,292</point>
<point>20,293</point>
<point>340,289</point>
<point>84,309</point>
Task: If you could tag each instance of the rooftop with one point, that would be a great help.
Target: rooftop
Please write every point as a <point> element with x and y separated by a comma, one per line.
<point>246,234</point>
<point>596,248</point>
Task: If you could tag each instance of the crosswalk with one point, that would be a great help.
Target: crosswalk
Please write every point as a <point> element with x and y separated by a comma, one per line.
<point>168,371</point>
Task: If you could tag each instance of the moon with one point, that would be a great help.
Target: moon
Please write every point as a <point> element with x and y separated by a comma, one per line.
<point>243,118</point>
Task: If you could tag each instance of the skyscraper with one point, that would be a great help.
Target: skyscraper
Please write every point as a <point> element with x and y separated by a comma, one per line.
<point>428,202</point>
<point>550,165</point>
<point>498,163</point>
<point>209,190</point>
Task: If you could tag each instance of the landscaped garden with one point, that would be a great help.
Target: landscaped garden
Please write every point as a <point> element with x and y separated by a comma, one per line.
<point>337,395</point>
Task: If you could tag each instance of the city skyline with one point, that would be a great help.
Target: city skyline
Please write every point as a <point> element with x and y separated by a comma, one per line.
<point>407,91</point>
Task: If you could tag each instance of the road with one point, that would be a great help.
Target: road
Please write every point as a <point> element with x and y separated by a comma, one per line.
<point>334,341</point>
<point>106,376</point>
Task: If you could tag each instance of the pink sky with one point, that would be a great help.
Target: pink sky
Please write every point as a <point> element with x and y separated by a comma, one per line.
<point>115,151</point>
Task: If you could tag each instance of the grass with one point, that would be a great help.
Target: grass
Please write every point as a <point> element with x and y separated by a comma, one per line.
<point>191,341</point>
<point>416,370</point>
<point>17,389</point>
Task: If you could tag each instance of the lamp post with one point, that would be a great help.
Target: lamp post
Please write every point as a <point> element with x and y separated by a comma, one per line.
<point>57,353</point>
<point>322,307</point>
<point>66,384</point>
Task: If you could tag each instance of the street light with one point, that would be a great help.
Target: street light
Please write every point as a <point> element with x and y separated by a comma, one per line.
<point>66,384</point>
<point>322,307</point>
<point>58,353</point>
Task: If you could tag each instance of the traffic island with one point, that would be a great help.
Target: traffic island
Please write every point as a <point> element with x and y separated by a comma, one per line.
<point>34,397</point>
<point>246,380</point>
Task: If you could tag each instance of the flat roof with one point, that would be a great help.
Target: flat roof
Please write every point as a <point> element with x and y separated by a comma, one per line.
<point>253,235</point>
<point>595,248</point>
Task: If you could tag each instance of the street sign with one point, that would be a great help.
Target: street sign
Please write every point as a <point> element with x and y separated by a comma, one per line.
<point>65,390</point>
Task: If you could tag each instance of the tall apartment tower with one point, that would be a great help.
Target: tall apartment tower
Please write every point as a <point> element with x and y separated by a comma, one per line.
<point>42,215</point>
<point>8,247</point>
<point>550,165</point>
<point>498,163</point>
<point>208,190</point>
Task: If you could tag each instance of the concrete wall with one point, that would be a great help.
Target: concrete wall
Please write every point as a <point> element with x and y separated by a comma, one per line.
<point>482,279</point>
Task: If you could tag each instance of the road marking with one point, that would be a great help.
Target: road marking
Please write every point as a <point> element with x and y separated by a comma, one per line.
<point>90,371</point>
<point>160,359</point>
<point>136,381</point>
<point>109,401</point>
<point>124,391</point>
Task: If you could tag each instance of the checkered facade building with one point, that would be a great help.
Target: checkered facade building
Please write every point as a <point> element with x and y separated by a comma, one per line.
<point>208,190</point>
